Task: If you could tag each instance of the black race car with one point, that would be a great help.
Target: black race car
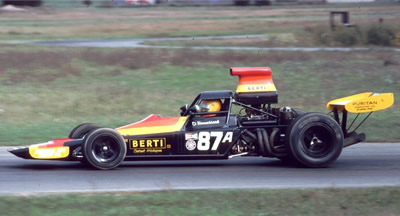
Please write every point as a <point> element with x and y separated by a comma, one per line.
<point>209,129</point>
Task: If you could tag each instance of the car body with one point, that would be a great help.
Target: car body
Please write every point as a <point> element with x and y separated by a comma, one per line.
<point>259,130</point>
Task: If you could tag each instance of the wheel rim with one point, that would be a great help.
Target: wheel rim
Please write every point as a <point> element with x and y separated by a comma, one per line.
<point>105,149</point>
<point>318,141</point>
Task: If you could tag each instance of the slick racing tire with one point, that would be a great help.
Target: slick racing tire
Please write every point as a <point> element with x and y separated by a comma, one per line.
<point>314,140</point>
<point>81,130</point>
<point>104,148</point>
<point>297,112</point>
<point>288,159</point>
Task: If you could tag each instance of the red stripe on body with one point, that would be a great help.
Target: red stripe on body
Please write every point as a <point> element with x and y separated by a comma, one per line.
<point>153,121</point>
<point>56,143</point>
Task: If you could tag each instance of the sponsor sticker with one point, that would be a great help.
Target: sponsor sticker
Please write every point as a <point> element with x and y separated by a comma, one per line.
<point>200,123</point>
<point>190,145</point>
<point>364,106</point>
<point>257,88</point>
<point>193,136</point>
<point>148,145</point>
<point>49,153</point>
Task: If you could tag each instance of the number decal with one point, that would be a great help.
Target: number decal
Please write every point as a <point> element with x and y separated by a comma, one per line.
<point>204,141</point>
<point>218,137</point>
<point>203,144</point>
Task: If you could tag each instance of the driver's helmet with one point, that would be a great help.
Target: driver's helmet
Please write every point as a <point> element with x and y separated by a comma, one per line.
<point>210,106</point>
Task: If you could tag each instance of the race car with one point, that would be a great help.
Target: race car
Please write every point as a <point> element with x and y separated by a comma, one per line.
<point>209,128</point>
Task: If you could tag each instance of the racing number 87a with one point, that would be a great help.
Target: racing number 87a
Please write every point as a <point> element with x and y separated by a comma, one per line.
<point>205,139</point>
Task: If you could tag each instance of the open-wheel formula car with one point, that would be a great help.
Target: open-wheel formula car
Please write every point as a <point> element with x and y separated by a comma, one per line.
<point>208,129</point>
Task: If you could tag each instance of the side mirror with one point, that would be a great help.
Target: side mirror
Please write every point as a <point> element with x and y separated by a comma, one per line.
<point>184,108</point>
<point>195,109</point>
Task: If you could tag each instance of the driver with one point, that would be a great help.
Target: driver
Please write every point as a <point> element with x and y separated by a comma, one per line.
<point>210,106</point>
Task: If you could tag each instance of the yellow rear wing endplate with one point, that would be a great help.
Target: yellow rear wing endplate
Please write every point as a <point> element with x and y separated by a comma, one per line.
<point>362,103</point>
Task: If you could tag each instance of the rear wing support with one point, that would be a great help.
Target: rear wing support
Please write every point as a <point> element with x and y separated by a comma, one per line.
<point>367,102</point>
<point>343,122</point>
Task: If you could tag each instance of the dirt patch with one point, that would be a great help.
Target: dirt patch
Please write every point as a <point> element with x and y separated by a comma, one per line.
<point>45,66</point>
<point>42,66</point>
<point>147,58</point>
<point>188,57</point>
<point>130,59</point>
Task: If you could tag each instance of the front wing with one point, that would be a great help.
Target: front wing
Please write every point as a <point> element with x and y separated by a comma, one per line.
<point>57,149</point>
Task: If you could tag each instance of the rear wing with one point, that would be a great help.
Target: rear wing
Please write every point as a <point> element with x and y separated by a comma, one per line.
<point>362,103</point>
<point>367,102</point>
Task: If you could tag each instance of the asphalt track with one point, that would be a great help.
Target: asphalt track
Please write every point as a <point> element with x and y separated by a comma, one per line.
<point>362,165</point>
<point>140,43</point>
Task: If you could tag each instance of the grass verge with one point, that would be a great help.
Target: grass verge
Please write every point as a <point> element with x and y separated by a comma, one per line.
<point>363,201</point>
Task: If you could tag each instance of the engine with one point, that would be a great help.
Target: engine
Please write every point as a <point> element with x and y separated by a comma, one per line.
<point>265,126</point>
<point>260,140</point>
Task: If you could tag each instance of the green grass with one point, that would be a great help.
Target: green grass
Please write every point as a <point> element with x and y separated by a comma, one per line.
<point>55,89</point>
<point>361,201</point>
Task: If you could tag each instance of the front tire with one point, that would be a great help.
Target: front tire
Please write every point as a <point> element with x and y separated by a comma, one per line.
<point>104,148</point>
<point>314,140</point>
<point>81,130</point>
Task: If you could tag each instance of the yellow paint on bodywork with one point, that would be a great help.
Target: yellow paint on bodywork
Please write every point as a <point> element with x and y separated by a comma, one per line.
<point>154,129</point>
<point>48,153</point>
<point>363,102</point>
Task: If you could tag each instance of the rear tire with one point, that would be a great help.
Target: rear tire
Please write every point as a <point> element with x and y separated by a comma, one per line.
<point>297,112</point>
<point>81,130</point>
<point>104,148</point>
<point>288,159</point>
<point>314,140</point>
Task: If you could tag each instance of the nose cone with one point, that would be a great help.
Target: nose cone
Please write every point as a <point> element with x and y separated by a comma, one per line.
<point>22,152</point>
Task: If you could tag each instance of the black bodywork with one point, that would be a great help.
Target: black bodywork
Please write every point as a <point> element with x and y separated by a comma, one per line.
<point>242,129</point>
